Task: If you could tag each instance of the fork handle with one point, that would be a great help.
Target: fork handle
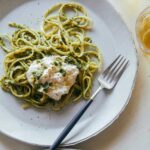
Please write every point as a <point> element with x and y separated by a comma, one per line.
<point>73,122</point>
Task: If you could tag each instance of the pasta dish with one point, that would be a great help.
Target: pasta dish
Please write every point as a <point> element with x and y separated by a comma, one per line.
<point>56,65</point>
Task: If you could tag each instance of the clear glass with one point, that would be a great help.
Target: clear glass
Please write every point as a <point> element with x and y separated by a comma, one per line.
<point>143,30</point>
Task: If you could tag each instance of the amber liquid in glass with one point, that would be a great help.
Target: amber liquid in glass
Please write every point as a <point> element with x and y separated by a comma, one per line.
<point>143,30</point>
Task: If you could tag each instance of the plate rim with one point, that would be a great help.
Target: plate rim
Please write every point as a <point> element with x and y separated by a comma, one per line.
<point>132,88</point>
<point>107,2</point>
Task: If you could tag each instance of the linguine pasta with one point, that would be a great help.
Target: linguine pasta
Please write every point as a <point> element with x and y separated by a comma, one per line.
<point>62,34</point>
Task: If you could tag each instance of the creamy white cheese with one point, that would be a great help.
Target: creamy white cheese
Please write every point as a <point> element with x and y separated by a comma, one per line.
<point>53,70</point>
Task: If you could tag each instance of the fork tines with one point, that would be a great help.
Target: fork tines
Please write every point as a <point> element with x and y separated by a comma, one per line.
<point>116,68</point>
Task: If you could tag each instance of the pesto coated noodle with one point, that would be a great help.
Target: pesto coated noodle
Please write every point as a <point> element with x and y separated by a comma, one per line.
<point>62,36</point>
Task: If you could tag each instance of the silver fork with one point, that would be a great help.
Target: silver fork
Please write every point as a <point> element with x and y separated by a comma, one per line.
<point>108,79</point>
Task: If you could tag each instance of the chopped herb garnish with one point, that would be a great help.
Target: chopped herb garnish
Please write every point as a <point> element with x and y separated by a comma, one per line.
<point>46,86</point>
<point>77,92</point>
<point>44,67</point>
<point>64,41</point>
<point>37,86</point>
<point>68,60</point>
<point>56,63</point>
<point>34,73</point>
<point>37,74</point>
<point>19,89</point>
<point>79,65</point>
<point>50,84</point>
<point>38,61</point>
<point>78,49</point>
<point>37,97</point>
<point>37,56</point>
<point>71,54</point>
<point>62,71</point>
<point>2,42</point>
<point>45,90</point>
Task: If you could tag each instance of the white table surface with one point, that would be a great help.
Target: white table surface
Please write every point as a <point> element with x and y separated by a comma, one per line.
<point>132,130</point>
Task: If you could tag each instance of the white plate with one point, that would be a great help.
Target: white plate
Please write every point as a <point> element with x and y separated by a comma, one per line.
<point>41,127</point>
